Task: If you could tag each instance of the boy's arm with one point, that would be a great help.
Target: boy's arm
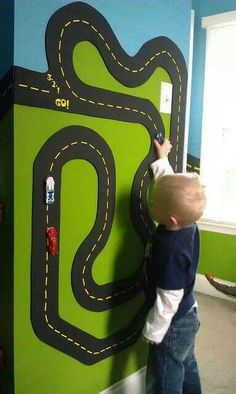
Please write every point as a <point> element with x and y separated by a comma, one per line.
<point>162,166</point>
<point>167,301</point>
<point>161,314</point>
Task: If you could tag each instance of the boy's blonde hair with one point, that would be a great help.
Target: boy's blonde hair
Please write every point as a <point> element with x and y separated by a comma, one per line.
<point>179,195</point>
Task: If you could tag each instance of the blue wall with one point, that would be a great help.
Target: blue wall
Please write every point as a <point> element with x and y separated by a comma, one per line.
<point>149,19</point>
<point>202,8</point>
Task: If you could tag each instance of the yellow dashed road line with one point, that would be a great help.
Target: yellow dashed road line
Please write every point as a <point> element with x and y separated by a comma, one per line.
<point>128,69</point>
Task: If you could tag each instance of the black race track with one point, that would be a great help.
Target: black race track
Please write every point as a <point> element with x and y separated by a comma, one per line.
<point>61,89</point>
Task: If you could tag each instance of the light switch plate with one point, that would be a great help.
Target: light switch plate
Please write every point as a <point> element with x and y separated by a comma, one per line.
<point>166,97</point>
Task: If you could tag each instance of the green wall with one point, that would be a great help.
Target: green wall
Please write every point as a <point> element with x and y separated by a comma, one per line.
<point>53,371</point>
<point>218,255</point>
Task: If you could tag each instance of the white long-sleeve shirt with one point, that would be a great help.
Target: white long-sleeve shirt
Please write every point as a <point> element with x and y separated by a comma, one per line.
<point>167,301</point>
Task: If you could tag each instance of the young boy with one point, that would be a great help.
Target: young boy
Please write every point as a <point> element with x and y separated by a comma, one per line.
<point>177,201</point>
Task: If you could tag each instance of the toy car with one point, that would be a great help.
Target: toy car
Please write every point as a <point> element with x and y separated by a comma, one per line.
<point>52,240</point>
<point>159,137</point>
<point>50,190</point>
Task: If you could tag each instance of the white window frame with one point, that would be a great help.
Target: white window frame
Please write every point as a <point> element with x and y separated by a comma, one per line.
<point>210,22</point>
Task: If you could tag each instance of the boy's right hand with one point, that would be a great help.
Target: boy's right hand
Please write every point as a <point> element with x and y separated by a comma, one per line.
<point>162,150</point>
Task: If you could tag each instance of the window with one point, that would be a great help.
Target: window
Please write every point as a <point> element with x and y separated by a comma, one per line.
<point>218,152</point>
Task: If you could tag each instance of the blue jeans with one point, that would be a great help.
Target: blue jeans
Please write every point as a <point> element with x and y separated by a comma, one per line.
<point>171,366</point>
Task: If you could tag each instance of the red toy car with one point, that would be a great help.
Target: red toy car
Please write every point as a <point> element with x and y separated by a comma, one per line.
<point>52,240</point>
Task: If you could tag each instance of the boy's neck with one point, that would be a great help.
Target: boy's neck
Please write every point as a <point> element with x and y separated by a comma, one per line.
<point>173,227</point>
<point>174,224</point>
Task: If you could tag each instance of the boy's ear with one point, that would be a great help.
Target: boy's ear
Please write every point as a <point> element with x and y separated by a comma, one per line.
<point>174,221</point>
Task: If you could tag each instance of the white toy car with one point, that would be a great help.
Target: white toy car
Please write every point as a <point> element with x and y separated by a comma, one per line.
<point>50,190</point>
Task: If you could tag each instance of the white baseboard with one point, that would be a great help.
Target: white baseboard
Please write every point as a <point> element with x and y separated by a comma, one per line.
<point>134,383</point>
<point>203,286</point>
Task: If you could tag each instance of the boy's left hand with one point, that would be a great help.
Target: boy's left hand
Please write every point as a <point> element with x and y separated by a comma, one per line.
<point>162,150</point>
<point>148,341</point>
